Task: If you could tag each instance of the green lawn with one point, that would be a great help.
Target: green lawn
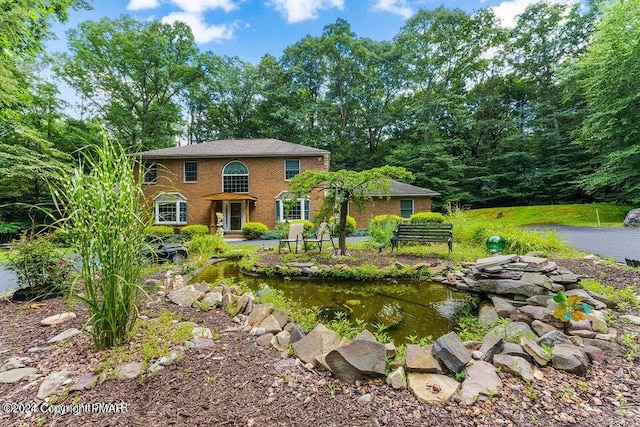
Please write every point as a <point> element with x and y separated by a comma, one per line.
<point>583,215</point>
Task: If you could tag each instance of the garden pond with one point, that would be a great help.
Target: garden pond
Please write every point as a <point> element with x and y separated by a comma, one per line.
<point>406,307</point>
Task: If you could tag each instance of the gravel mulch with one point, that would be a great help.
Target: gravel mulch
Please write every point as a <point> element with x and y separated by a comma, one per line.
<point>239,383</point>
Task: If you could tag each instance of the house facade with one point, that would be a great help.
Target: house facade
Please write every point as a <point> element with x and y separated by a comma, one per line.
<point>247,180</point>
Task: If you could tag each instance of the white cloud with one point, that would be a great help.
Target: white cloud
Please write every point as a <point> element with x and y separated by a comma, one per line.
<point>143,4</point>
<point>507,11</point>
<point>399,7</point>
<point>301,10</point>
<point>199,6</point>
<point>202,32</point>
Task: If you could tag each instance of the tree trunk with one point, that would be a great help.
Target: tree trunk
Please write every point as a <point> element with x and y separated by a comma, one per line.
<point>342,226</point>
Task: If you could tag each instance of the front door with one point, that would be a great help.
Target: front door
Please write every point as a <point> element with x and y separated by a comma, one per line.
<point>234,216</point>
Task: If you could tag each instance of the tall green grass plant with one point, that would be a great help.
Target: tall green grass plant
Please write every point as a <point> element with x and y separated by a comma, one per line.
<point>102,210</point>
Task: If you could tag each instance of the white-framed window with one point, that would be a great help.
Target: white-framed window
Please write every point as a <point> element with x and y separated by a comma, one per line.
<point>288,208</point>
<point>149,172</point>
<point>406,208</point>
<point>291,169</point>
<point>170,208</point>
<point>235,178</point>
<point>190,170</point>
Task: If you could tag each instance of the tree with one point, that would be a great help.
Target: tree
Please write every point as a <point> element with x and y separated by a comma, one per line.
<point>610,77</point>
<point>343,186</point>
<point>132,74</point>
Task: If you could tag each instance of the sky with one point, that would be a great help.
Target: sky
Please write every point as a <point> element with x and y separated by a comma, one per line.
<point>250,29</point>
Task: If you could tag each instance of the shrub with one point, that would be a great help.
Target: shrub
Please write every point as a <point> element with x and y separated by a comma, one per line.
<point>274,234</point>
<point>253,230</point>
<point>158,231</point>
<point>381,228</point>
<point>191,230</point>
<point>59,237</point>
<point>39,267</point>
<point>207,244</point>
<point>351,226</point>
<point>426,217</point>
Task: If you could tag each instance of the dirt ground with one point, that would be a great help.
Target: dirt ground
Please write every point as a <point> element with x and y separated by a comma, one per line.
<point>239,383</point>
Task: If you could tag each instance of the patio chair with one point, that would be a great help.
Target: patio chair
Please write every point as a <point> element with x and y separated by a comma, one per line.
<point>295,235</point>
<point>323,235</point>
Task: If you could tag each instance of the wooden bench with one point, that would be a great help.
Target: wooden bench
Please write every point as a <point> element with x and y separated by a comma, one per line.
<point>422,233</point>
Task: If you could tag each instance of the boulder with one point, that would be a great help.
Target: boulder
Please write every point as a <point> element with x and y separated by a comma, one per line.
<point>491,345</point>
<point>281,317</point>
<point>511,331</point>
<point>52,384</point>
<point>451,352</point>
<point>84,382</point>
<point>537,312</point>
<point>56,319</point>
<point>598,321</point>
<point>515,350</point>
<point>635,320</point>
<point>397,379</point>
<point>537,279</point>
<point>568,357</point>
<point>185,296</point>
<point>481,383</point>
<point>487,314</point>
<point>553,338</point>
<point>357,360</point>
<point>64,335</point>
<point>535,351</point>
<point>421,359</point>
<point>130,370</point>
<point>15,363</point>
<point>541,300</point>
<point>510,287</point>
<point>245,303</point>
<point>633,218</point>
<point>319,341</point>
<point>514,364</point>
<point>542,328</point>
<point>594,354</point>
<point>15,375</point>
<point>432,388</point>
<point>271,324</point>
<point>259,313</point>
<point>609,348</point>
<point>365,335</point>
<point>296,334</point>
<point>204,343</point>
<point>503,307</point>
<point>264,339</point>
<point>201,332</point>
<point>213,298</point>
<point>484,263</point>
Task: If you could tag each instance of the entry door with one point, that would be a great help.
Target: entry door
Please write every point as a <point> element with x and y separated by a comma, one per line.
<point>235,216</point>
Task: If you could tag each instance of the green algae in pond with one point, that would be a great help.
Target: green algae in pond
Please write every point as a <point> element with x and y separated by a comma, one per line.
<point>408,307</point>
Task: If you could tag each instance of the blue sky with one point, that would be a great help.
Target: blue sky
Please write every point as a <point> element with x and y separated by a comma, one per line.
<point>250,29</point>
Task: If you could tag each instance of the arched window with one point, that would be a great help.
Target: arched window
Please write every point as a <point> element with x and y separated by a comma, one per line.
<point>235,178</point>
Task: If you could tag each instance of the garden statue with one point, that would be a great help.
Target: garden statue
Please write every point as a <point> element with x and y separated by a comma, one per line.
<point>219,229</point>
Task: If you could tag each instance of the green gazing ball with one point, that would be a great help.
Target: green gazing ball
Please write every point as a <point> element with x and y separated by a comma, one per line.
<point>495,244</point>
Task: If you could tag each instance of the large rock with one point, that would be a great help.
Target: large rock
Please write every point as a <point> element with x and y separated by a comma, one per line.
<point>451,352</point>
<point>64,335</point>
<point>515,350</point>
<point>15,375</point>
<point>319,341</point>
<point>56,319</point>
<point>52,384</point>
<point>421,359</point>
<point>553,337</point>
<point>487,314</point>
<point>129,370</point>
<point>214,299</point>
<point>503,307</point>
<point>631,319</point>
<point>511,331</point>
<point>536,312</point>
<point>481,383</point>
<point>633,218</point>
<point>537,279</point>
<point>491,345</point>
<point>186,296</point>
<point>484,263</point>
<point>542,328</point>
<point>514,364</point>
<point>535,351</point>
<point>609,348</point>
<point>271,324</point>
<point>568,357</point>
<point>510,287</point>
<point>432,388</point>
<point>357,360</point>
<point>259,313</point>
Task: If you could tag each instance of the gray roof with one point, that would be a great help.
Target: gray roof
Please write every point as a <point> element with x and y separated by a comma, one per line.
<point>402,189</point>
<point>234,148</point>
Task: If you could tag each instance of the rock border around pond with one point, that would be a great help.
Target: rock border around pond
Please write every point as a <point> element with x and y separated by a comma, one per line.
<point>519,290</point>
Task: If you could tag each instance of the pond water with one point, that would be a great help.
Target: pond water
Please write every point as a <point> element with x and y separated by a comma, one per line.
<point>408,307</point>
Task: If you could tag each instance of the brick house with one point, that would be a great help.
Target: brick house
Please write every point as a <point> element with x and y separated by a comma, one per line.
<point>247,180</point>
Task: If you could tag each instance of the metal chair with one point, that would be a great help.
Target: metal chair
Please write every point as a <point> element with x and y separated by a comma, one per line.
<point>323,235</point>
<point>295,234</point>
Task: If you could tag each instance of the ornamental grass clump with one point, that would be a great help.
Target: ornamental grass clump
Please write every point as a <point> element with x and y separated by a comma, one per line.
<point>103,212</point>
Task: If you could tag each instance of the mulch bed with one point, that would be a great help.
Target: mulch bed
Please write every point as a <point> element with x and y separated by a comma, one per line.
<point>242,384</point>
